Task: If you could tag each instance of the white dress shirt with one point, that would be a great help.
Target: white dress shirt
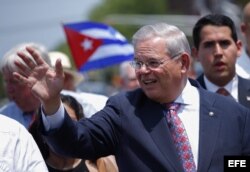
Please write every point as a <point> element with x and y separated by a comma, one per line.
<point>188,113</point>
<point>18,150</point>
<point>231,87</point>
<point>243,65</point>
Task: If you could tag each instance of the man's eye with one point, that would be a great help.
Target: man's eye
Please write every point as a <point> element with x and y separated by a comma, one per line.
<point>153,63</point>
<point>208,44</point>
<point>138,64</point>
<point>225,43</point>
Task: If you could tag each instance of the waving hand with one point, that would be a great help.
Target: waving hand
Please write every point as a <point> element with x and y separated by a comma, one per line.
<point>45,82</point>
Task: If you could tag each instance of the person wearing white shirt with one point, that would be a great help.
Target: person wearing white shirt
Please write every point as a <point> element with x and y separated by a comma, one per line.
<point>134,126</point>
<point>23,105</point>
<point>217,48</point>
<point>232,87</point>
<point>18,150</point>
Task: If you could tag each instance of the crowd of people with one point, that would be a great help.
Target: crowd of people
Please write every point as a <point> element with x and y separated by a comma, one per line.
<point>164,117</point>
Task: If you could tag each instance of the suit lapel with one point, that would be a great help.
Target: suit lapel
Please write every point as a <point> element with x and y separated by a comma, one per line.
<point>244,92</point>
<point>201,81</point>
<point>156,124</point>
<point>209,130</point>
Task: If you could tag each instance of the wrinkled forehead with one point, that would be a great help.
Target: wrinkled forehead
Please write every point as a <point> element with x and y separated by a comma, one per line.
<point>150,47</point>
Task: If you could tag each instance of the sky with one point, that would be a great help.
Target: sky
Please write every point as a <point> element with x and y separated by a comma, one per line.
<point>39,21</point>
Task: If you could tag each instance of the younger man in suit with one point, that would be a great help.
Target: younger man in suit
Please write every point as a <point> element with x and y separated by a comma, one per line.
<point>217,48</point>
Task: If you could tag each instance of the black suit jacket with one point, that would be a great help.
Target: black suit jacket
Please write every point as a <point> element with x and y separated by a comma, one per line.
<point>243,89</point>
<point>134,129</point>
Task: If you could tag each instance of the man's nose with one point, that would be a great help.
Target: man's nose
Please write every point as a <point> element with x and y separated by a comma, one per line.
<point>218,49</point>
<point>144,69</point>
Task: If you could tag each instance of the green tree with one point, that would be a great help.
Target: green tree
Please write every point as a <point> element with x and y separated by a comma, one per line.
<point>110,7</point>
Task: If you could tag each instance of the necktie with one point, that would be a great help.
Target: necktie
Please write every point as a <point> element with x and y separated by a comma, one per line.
<point>180,138</point>
<point>223,91</point>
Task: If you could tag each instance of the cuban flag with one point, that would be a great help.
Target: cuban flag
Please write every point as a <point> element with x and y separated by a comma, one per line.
<point>96,45</point>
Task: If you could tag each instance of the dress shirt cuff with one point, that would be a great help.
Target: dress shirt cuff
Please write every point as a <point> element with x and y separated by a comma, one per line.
<point>55,120</point>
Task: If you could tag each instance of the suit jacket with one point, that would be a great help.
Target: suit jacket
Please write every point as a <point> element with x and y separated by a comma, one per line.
<point>134,129</point>
<point>243,89</point>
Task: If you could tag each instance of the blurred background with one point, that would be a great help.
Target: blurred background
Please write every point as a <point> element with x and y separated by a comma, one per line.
<point>41,21</point>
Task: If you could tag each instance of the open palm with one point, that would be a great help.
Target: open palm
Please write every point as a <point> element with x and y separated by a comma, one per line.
<point>45,82</point>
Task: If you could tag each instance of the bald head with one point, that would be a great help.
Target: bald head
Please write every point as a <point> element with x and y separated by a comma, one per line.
<point>246,13</point>
<point>245,27</point>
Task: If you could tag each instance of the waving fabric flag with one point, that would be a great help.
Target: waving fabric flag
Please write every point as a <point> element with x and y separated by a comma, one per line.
<point>96,45</point>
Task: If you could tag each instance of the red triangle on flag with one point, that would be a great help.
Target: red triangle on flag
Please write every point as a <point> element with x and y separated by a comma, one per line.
<point>81,46</point>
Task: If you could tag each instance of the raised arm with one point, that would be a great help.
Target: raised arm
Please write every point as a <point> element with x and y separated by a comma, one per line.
<point>45,82</point>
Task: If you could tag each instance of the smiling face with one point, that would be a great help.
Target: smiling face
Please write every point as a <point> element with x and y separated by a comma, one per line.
<point>164,83</point>
<point>218,53</point>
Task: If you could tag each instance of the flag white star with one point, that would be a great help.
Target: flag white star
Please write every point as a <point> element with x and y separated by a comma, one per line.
<point>87,44</point>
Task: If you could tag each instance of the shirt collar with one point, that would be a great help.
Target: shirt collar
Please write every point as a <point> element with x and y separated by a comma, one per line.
<point>187,94</point>
<point>229,86</point>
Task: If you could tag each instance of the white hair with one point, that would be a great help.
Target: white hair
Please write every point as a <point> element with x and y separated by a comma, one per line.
<point>8,60</point>
<point>175,39</point>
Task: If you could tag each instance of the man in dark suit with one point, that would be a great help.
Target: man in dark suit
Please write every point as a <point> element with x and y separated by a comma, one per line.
<point>168,124</point>
<point>217,48</point>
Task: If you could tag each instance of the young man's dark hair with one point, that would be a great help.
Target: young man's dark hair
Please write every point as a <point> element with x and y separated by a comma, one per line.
<point>215,20</point>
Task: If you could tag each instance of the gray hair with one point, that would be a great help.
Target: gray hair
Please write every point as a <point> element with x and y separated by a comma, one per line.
<point>8,60</point>
<point>176,41</point>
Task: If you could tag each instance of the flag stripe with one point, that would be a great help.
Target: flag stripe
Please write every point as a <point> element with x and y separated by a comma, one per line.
<point>111,41</point>
<point>112,50</point>
<point>100,63</point>
<point>103,34</point>
<point>87,25</point>
<point>97,30</point>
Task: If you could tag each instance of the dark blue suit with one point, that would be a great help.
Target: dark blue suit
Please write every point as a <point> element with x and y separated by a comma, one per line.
<point>243,89</point>
<point>134,129</point>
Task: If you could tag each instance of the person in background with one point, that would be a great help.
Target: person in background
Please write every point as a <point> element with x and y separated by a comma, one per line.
<point>170,123</point>
<point>22,105</point>
<point>127,76</point>
<point>217,48</point>
<point>59,163</point>
<point>90,102</point>
<point>72,77</point>
<point>243,63</point>
<point>18,150</point>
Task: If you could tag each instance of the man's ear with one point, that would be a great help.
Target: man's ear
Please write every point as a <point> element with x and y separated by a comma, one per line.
<point>243,28</point>
<point>239,48</point>
<point>195,54</point>
<point>185,62</point>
